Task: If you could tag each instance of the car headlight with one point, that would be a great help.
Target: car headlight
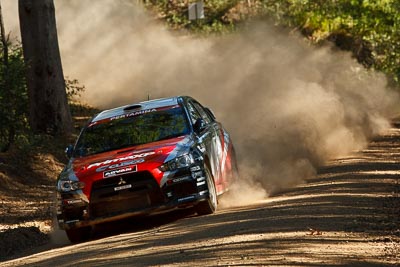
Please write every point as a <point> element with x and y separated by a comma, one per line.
<point>177,163</point>
<point>68,185</point>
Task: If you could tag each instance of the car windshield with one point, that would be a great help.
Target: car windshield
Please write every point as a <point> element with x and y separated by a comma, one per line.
<point>132,130</point>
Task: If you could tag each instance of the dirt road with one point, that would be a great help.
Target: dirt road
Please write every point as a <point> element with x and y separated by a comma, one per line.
<point>347,215</point>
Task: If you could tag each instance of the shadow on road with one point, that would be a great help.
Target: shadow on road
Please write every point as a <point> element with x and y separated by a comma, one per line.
<point>338,218</point>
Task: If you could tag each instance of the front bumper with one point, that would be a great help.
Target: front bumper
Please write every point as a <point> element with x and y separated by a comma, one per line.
<point>139,194</point>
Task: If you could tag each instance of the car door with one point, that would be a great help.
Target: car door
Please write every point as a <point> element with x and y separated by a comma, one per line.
<point>215,146</point>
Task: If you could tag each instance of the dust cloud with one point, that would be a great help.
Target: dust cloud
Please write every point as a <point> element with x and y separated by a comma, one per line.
<point>288,105</point>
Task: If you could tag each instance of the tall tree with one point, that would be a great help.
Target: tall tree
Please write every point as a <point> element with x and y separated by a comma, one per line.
<point>6,93</point>
<point>4,38</point>
<point>48,111</point>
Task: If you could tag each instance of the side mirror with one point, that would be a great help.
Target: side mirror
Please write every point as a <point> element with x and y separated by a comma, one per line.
<point>69,151</point>
<point>199,126</point>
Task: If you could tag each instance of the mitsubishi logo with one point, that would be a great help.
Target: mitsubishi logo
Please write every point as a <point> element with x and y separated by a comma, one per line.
<point>121,181</point>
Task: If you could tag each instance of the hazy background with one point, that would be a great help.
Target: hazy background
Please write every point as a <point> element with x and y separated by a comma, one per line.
<point>288,105</point>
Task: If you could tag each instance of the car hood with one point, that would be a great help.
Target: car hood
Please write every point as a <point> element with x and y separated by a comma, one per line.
<point>137,158</point>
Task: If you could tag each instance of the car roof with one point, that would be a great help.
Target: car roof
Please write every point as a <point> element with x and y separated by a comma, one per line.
<point>145,105</point>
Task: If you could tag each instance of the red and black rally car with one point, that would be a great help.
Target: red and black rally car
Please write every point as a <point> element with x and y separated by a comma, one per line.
<point>142,159</point>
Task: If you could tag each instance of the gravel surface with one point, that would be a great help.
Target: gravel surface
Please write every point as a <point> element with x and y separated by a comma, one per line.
<point>347,215</point>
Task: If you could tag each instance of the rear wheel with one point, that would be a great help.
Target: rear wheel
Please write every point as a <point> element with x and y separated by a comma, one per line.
<point>208,206</point>
<point>76,235</point>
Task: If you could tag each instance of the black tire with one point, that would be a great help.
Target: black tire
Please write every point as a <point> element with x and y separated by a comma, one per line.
<point>77,235</point>
<point>208,206</point>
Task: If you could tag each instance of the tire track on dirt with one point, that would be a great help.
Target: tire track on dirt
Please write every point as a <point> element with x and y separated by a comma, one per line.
<point>348,214</point>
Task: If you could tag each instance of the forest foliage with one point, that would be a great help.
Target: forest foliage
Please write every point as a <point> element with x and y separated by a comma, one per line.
<point>14,102</point>
<point>368,28</point>
<point>13,98</point>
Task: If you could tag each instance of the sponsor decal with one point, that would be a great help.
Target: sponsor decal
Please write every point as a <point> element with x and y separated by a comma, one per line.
<point>117,160</point>
<point>122,187</point>
<point>201,183</point>
<point>180,179</point>
<point>203,192</point>
<point>131,114</point>
<point>197,174</point>
<point>73,201</point>
<point>136,113</point>
<point>122,164</point>
<point>195,168</point>
<point>125,170</point>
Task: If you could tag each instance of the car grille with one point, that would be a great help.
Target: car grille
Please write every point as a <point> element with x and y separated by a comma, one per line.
<point>143,193</point>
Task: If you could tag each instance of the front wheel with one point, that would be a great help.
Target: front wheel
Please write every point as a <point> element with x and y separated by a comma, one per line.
<point>208,206</point>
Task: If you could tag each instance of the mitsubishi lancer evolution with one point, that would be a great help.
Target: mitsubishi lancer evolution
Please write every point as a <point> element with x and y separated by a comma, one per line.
<point>142,159</point>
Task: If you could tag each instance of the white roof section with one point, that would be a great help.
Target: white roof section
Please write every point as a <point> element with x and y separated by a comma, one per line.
<point>145,105</point>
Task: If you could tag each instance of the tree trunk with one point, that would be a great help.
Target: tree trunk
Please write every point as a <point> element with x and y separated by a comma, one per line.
<point>48,111</point>
<point>7,93</point>
<point>3,39</point>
